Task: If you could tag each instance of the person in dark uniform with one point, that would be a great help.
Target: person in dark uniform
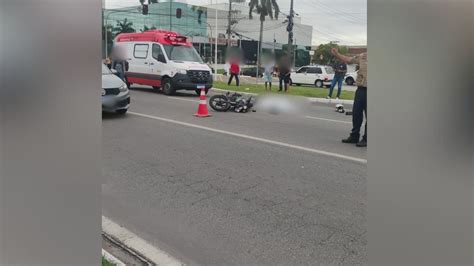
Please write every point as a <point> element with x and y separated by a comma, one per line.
<point>285,72</point>
<point>360,100</point>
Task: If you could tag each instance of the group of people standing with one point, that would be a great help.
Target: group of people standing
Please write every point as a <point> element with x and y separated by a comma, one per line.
<point>269,68</point>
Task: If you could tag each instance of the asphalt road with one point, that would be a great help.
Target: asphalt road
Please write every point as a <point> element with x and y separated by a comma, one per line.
<point>210,191</point>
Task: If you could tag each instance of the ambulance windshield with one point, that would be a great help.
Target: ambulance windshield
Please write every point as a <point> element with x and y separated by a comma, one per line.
<point>182,53</point>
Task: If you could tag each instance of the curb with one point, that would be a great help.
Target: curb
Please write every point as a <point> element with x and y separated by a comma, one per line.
<point>136,245</point>
<point>310,99</point>
<point>111,258</point>
<point>322,100</point>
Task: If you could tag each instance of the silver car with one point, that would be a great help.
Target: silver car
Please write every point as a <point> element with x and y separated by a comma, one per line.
<point>115,95</point>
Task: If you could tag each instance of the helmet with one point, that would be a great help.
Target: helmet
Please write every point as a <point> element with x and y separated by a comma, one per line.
<point>340,108</point>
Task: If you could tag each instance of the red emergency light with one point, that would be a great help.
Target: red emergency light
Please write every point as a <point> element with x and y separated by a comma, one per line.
<point>160,36</point>
<point>176,39</point>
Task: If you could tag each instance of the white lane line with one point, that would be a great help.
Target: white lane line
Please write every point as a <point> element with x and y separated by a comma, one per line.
<point>133,241</point>
<point>330,120</point>
<point>183,99</point>
<point>111,258</point>
<point>336,155</point>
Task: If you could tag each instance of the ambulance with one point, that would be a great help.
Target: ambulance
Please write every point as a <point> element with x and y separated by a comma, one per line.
<point>164,60</point>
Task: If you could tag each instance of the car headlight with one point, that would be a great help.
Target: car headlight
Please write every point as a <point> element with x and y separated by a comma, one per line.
<point>123,88</point>
<point>181,71</point>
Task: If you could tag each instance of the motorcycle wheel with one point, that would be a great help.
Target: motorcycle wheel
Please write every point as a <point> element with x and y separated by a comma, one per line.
<point>220,103</point>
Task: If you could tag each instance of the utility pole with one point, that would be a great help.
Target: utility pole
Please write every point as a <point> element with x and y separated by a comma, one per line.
<point>171,14</point>
<point>289,28</point>
<point>229,23</point>
<point>274,43</point>
<point>294,53</point>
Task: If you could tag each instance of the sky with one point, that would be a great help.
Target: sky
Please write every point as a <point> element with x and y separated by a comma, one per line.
<point>343,21</point>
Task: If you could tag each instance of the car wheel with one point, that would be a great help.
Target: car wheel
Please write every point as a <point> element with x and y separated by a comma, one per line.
<point>198,92</point>
<point>318,83</point>
<point>168,87</point>
<point>121,111</point>
<point>350,81</point>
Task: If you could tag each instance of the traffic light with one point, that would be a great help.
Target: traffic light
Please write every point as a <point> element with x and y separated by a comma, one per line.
<point>179,12</point>
<point>145,9</point>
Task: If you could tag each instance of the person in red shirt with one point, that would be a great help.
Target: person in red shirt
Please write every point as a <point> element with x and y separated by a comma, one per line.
<point>234,72</point>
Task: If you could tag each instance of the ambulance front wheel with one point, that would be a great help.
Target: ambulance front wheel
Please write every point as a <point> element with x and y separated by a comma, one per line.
<point>198,91</point>
<point>167,87</point>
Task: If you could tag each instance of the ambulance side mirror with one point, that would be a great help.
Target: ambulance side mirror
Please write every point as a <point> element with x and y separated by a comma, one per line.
<point>161,58</point>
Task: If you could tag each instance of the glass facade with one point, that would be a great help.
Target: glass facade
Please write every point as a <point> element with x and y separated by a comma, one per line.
<point>193,21</point>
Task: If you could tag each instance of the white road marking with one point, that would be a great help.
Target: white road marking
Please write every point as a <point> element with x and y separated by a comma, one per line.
<point>133,241</point>
<point>184,99</point>
<point>330,120</point>
<point>336,155</point>
<point>111,258</point>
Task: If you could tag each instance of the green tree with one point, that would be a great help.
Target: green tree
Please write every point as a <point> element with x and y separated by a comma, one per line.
<point>124,26</point>
<point>264,8</point>
<point>325,50</point>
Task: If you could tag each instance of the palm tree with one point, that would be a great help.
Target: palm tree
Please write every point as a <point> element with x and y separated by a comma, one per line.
<point>123,27</point>
<point>145,28</point>
<point>268,7</point>
<point>264,8</point>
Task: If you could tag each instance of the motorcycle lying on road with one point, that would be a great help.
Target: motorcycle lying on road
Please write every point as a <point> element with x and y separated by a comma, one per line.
<point>235,101</point>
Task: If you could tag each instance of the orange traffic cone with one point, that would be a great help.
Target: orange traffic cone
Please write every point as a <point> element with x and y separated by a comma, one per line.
<point>202,110</point>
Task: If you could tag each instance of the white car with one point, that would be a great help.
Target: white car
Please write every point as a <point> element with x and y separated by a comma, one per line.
<point>316,75</point>
<point>350,78</point>
<point>115,95</point>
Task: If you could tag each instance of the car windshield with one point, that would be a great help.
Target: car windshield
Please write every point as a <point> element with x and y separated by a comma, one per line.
<point>329,70</point>
<point>105,70</point>
<point>182,53</point>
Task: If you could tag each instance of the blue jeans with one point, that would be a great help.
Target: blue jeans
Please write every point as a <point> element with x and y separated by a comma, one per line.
<point>338,80</point>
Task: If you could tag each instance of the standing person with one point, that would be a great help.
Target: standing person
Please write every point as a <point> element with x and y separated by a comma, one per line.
<point>268,74</point>
<point>285,72</point>
<point>108,62</point>
<point>234,70</point>
<point>340,69</point>
<point>360,100</point>
<point>119,62</point>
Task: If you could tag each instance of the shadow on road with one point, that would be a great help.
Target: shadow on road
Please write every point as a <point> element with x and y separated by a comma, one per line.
<point>191,94</point>
<point>111,116</point>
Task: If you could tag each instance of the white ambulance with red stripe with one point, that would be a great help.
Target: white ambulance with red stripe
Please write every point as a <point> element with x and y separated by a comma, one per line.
<point>164,60</point>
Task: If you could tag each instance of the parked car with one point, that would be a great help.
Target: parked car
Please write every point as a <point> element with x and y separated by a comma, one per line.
<point>115,95</point>
<point>350,78</point>
<point>164,60</point>
<point>252,72</point>
<point>316,75</point>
